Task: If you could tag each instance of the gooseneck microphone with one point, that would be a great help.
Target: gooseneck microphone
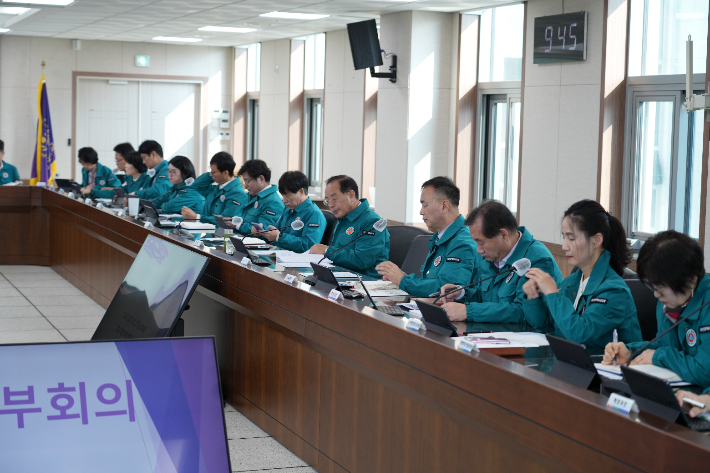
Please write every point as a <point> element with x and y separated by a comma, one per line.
<point>379,225</point>
<point>521,267</point>
<point>675,324</point>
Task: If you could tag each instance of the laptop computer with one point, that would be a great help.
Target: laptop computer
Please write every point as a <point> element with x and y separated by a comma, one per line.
<point>655,396</point>
<point>151,215</point>
<point>386,309</point>
<point>436,320</point>
<point>243,250</point>
<point>573,365</point>
<point>326,281</point>
<point>68,185</point>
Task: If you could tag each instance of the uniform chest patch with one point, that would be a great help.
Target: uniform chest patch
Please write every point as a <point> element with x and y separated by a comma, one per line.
<point>5,175</point>
<point>314,225</point>
<point>369,233</point>
<point>691,337</point>
<point>452,259</point>
<point>510,276</point>
<point>183,190</point>
<point>256,204</point>
<point>437,261</point>
<point>704,329</point>
<point>102,182</point>
<point>269,212</point>
<point>236,203</point>
<point>222,198</point>
<point>598,300</point>
<point>350,231</point>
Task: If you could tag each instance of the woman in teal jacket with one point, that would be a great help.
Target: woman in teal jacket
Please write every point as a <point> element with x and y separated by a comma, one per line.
<point>95,176</point>
<point>136,177</point>
<point>180,169</point>
<point>594,300</point>
<point>672,264</point>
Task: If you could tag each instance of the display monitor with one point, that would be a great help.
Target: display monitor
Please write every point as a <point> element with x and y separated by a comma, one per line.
<point>154,293</point>
<point>139,406</point>
<point>365,44</point>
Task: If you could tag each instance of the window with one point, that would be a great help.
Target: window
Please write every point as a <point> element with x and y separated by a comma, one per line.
<point>314,141</point>
<point>253,128</point>
<point>254,67</point>
<point>498,102</point>
<point>314,67</point>
<point>663,143</point>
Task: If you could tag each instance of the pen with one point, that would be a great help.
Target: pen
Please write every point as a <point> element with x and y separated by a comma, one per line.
<point>616,340</point>
<point>438,294</point>
<point>694,403</point>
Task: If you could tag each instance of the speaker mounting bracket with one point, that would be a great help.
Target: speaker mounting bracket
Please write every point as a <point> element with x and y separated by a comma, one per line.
<point>391,75</point>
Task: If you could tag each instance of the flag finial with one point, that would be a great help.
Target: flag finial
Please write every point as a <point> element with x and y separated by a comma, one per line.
<point>43,64</point>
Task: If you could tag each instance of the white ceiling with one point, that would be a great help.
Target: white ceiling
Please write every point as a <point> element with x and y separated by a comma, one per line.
<point>142,20</point>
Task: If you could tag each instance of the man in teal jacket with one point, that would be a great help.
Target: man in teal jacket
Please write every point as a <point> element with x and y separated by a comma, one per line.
<point>264,205</point>
<point>95,176</point>
<point>293,186</point>
<point>452,254</point>
<point>355,219</point>
<point>224,195</point>
<point>159,184</point>
<point>501,243</point>
<point>8,172</point>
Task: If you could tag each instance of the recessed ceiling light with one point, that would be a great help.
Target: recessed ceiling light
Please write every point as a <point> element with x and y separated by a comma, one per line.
<point>226,29</point>
<point>293,16</point>
<point>12,10</point>
<point>62,3</point>
<point>175,39</point>
<point>4,30</point>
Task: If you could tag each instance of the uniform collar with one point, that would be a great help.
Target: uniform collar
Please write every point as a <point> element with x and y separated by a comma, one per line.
<point>306,204</point>
<point>448,232</point>
<point>700,296</point>
<point>159,167</point>
<point>357,211</point>
<point>599,271</point>
<point>521,247</point>
<point>267,191</point>
<point>226,186</point>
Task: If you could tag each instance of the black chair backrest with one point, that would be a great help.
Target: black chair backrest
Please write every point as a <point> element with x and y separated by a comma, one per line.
<point>645,307</point>
<point>628,274</point>
<point>416,255</point>
<point>330,222</point>
<point>401,238</point>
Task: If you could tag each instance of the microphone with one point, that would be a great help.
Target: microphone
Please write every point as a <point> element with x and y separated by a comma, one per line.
<point>379,225</point>
<point>237,222</point>
<point>675,324</point>
<point>521,267</point>
<point>187,182</point>
<point>296,225</point>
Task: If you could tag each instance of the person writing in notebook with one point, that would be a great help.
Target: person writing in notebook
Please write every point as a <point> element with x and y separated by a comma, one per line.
<point>594,300</point>
<point>671,264</point>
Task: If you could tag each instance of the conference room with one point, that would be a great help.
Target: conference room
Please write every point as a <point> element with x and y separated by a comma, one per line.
<point>399,236</point>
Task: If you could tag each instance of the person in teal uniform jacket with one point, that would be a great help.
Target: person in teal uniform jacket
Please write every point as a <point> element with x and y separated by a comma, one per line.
<point>8,172</point>
<point>594,300</point>
<point>159,182</point>
<point>264,205</point>
<point>452,254</point>
<point>121,151</point>
<point>355,218</point>
<point>137,177</point>
<point>500,242</point>
<point>224,195</point>
<point>293,187</point>
<point>672,264</point>
<point>182,194</point>
<point>95,176</point>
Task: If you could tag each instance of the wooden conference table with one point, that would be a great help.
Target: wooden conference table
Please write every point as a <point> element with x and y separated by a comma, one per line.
<point>345,387</point>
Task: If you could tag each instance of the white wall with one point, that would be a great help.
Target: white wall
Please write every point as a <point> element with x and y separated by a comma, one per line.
<point>415,122</point>
<point>273,106</point>
<point>343,110</point>
<point>561,108</point>
<point>20,71</point>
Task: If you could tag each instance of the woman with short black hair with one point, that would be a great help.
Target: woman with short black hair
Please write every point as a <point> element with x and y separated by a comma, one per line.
<point>593,301</point>
<point>672,265</point>
<point>95,176</point>
<point>181,173</point>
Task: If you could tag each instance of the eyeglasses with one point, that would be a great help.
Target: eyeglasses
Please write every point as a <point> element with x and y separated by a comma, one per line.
<point>119,160</point>
<point>247,181</point>
<point>173,172</point>
<point>333,199</point>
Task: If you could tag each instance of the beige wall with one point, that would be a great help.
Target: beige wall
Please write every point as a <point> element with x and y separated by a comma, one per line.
<point>20,71</point>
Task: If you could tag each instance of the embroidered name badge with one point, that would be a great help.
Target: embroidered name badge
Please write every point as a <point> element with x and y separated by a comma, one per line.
<point>222,197</point>
<point>369,233</point>
<point>451,259</point>
<point>598,300</point>
<point>162,177</point>
<point>691,338</point>
<point>269,212</point>
<point>236,203</point>
<point>102,182</point>
<point>313,224</point>
<point>510,276</point>
<point>256,204</point>
<point>350,231</point>
<point>183,190</point>
<point>704,329</point>
<point>437,261</point>
<point>124,184</point>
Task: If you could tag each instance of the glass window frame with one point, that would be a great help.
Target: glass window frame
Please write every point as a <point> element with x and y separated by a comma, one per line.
<point>252,126</point>
<point>310,98</point>
<point>653,88</point>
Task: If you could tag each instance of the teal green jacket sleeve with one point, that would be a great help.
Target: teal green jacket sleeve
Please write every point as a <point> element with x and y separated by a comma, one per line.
<point>189,198</point>
<point>596,319</point>
<point>694,369</point>
<point>459,267</point>
<point>302,240</point>
<point>203,183</point>
<point>510,303</point>
<point>536,314</point>
<point>161,185</point>
<point>366,253</point>
<point>269,212</point>
<point>8,174</point>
